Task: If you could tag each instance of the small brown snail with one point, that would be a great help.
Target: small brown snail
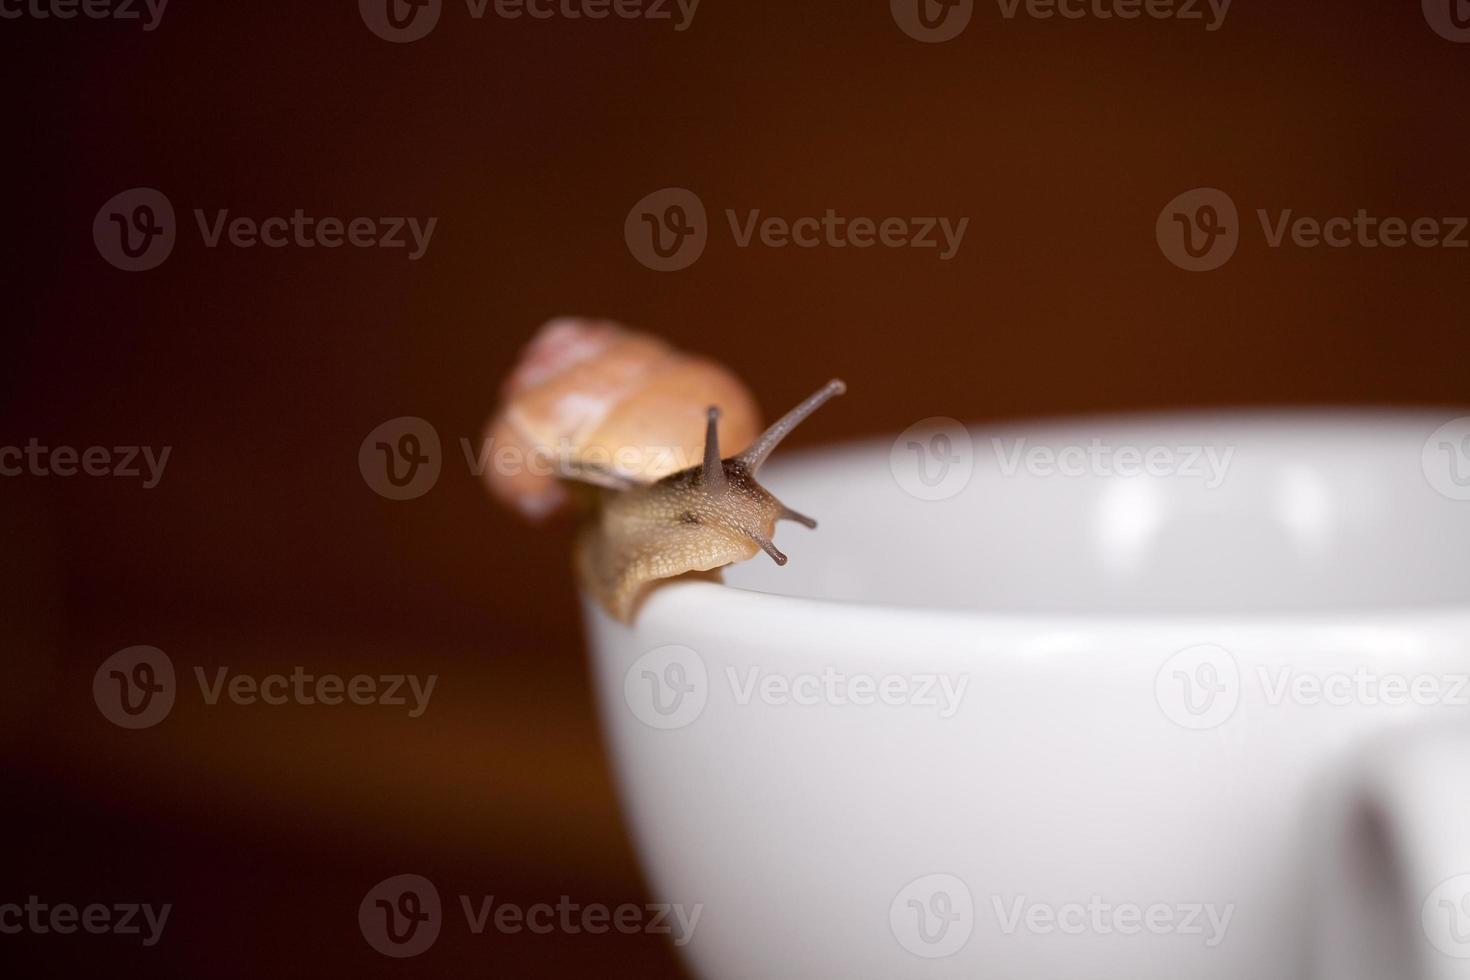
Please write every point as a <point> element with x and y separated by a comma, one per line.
<point>639,426</point>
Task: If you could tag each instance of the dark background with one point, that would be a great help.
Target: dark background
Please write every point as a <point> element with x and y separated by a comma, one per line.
<point>263,548</point>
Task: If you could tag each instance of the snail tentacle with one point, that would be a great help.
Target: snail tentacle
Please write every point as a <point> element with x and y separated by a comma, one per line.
<point>759,450</point>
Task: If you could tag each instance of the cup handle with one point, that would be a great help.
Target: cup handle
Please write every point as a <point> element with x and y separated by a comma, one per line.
<point>1394,874</point>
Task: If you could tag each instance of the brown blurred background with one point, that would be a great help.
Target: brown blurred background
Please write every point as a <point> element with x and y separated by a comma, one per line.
<point>262,548</point>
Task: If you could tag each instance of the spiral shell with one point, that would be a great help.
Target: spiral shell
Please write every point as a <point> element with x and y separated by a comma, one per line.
<point>593,401</point>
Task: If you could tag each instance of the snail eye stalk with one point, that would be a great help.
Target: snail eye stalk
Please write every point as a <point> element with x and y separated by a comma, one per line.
<point>714,467</point>
<point>753,457</point>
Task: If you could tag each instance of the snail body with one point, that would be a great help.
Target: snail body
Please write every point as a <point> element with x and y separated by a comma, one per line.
<point>646,525</point>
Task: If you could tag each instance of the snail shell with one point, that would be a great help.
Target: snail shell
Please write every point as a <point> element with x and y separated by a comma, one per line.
<point>590,396</point>
<point>620,406</point>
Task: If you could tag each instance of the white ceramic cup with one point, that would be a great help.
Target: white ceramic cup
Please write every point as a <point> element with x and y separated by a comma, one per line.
<point>1170,696</point>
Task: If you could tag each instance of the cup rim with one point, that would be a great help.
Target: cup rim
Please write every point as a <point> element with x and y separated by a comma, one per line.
<point>679,600</point>
<point>675,600</point>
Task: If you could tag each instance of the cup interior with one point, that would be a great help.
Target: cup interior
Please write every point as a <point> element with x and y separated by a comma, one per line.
<point>1237,511</point>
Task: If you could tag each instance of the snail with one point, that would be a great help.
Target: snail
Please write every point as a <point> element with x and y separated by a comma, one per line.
<point>635,428</point>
